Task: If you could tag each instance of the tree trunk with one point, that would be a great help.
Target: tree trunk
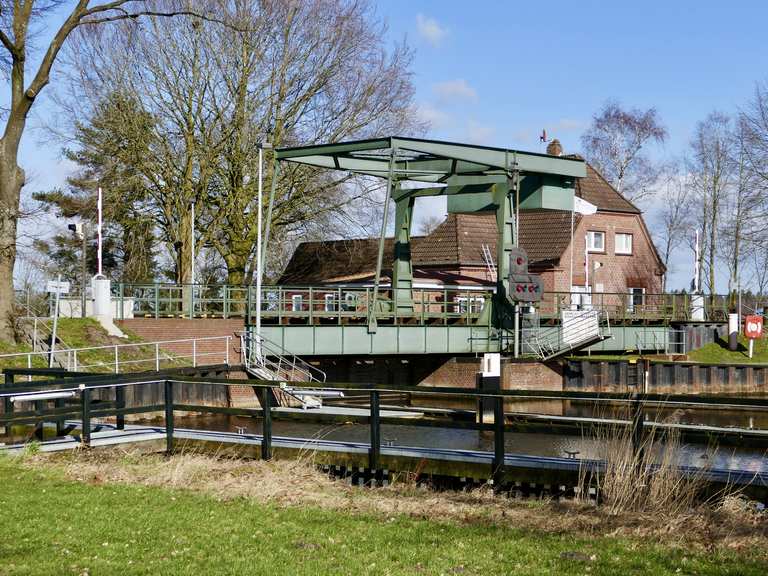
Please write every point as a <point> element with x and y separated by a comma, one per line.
<point>11,182</point>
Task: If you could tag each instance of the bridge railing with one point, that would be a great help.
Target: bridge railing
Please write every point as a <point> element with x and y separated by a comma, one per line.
<point>351,304</point>
<point>307,304</point>
<point>626,307</point>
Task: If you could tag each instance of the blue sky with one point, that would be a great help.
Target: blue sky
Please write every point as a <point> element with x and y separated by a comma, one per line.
<point>498,72</point>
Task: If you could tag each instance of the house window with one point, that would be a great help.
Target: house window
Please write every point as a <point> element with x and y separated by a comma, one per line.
<point>297,302</point>
<point>623,243</point>
<point>330,303</point>
<point>475,304</point>
<point>595,241</point>
<point>636,298</point>
<point>350,301</point>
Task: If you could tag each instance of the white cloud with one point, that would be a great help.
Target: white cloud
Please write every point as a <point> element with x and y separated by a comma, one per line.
<point>478,133</point>
<point>457,89</point>
<point>430,29</point>
<point>436,118</point>
<point>566,125</point>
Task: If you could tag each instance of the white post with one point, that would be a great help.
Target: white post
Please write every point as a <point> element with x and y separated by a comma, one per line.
<point>157,356</point>
<point>586,262</point>
<point>570,276</point>
<point>117,361</point>
<point>98,230</point>
<point>55,321</point>
<point>194,353</point>
<point>192,277</point>
<point>751,346</point>
<point>258,242</point>
<point>226,351</point>
<point>696,263</point>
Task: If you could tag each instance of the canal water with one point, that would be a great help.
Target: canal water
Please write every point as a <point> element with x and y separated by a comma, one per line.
<point>540,444</point>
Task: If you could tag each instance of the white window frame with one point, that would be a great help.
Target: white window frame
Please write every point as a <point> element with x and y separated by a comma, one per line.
<point>631,290</point>
<point>616,243</point>
<point>591,235</point>
<point>476,304</point>
<point>297,302</point>
<point>350,301</point>
<point>329,302</point>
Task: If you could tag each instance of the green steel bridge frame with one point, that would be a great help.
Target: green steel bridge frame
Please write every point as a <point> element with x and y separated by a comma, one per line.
<point>474,178</point>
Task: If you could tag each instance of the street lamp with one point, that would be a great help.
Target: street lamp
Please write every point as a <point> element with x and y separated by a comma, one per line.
<point>259,252</point>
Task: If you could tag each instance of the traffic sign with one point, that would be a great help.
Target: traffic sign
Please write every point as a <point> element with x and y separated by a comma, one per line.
<point>753,327</point>
<point>55,287</point>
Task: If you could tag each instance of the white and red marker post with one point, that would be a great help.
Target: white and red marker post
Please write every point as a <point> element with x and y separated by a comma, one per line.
<point>753,329</point>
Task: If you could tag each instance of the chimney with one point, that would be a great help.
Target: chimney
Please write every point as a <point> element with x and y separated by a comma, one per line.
<point>554,148</point>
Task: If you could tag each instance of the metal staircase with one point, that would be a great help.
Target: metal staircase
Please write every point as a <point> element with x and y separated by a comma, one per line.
<point>266,360</point>
<point>577,330</point>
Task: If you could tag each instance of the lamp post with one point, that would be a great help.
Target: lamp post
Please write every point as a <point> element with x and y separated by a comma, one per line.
<point>259,249</point>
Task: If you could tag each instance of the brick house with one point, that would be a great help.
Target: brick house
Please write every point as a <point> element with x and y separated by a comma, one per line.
<point>620,253</point>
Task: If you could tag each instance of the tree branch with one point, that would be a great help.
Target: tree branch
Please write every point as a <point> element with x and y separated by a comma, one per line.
<point>10,46</point>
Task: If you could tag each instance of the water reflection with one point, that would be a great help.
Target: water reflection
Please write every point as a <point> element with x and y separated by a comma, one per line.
<point>559,445</point>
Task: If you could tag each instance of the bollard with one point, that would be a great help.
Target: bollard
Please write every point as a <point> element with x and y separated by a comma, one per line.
<point>168,416</point>
<point>7,404</point>
<point>498,441</point>
<point>375,422</point>
<point>637,426</point>
<point>266,427</point>
<point>85,408</point>
<point>120,401</point>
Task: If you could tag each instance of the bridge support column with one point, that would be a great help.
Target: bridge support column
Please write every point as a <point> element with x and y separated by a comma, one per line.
<point>505,222</point>
<point>402,266</point>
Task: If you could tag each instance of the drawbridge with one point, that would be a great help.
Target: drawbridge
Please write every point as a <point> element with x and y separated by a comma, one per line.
<point>473,179</point>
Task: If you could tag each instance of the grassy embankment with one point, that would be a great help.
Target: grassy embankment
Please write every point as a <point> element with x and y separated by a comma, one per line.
<point>86,333</point>
<point>713,353</point>
<point>111,513</point>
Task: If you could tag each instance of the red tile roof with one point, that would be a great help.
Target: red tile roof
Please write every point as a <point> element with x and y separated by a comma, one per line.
<point>458,241</point>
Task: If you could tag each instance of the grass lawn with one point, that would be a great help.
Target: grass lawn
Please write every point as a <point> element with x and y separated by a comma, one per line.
<point>58,525</point>
<point>717,352</point>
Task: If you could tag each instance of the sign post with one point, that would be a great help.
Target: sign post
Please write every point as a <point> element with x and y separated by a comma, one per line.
<point>58,288</point>
<point>753,328</point>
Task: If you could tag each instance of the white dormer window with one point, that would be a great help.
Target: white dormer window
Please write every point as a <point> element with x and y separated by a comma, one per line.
<point>595,241</point>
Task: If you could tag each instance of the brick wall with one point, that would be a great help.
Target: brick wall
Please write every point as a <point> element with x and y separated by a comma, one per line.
<point>618,272</point>
<point>460,372</point>
<point>209,352</point>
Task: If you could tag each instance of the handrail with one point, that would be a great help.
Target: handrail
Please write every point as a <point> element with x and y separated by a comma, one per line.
<point>260,352</point>
<point>331,303</point>
<point>73,364</point>
<point>86,407</point>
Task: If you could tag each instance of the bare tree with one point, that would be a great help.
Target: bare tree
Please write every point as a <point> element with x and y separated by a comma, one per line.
<point>615,144</point>
<point>428,224</point>
<point>18,21</point>
<point>743,209</point>
<point>755,124</point>
<point>673,217</point>
<point>288,73</point>
<point>713,171</point>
